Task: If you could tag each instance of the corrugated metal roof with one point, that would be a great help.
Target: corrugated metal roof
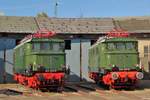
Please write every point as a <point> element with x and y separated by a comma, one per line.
<point>134,25</point>
<point>13,24</point>
<point>76,25</point>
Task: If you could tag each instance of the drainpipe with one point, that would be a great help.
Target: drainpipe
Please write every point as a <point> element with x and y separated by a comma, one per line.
<point>4,73</point>
<point>80,60</point>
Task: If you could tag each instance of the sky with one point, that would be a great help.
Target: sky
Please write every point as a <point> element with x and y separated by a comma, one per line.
<point>76,8</point>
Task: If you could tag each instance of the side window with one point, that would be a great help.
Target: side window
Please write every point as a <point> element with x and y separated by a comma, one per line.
<point>68,44</point>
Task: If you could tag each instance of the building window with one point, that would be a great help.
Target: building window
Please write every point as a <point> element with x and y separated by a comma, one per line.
<point>68,44</point>
<point>145,51</point>
<point>93,41</point>
<point>4,35</point>
<point>18,41</point>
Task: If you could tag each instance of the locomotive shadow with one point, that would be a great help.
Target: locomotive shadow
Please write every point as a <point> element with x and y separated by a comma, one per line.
<point>144,84</point>
<point>76,84</point>
<point>10,92</point>
<point>1,69</point>
<point>73,77</point>
<point>141,85</point>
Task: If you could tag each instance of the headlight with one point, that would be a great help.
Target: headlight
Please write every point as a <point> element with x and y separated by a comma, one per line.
<point>114,76</point>
<point>139,75</point>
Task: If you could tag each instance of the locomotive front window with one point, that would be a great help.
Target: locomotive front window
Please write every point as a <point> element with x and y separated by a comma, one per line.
<point>36,46</point>
<point>111,46</point>
<point>62,46</point>
<point>56,47</point>
<point>120,46</point>
<point>130,46</point>
<point>44,46</point>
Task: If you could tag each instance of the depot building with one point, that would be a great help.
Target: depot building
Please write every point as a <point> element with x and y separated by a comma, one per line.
<point>79,34</point>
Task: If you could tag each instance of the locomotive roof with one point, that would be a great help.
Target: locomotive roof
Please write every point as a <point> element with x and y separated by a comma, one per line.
<point>46,39</point>
<point>117,39</point>
<point>40,40</point>
<point>120,39</point>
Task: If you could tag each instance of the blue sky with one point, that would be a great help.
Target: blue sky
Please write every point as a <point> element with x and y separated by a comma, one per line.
<point>77,8</point>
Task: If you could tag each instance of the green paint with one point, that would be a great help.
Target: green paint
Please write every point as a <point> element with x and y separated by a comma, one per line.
<point>124,55</point>
<point>51,56</point>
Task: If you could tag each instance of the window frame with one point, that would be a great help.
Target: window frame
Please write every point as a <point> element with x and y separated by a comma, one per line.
<point>111,48</point>
<point>120,46</point>
<point>133,46</point>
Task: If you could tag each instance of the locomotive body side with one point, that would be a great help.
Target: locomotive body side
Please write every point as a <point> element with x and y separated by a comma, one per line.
<point>120,53</point>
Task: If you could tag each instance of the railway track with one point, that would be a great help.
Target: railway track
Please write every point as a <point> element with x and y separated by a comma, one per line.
<point>69,90</point>
<point>82,89</point>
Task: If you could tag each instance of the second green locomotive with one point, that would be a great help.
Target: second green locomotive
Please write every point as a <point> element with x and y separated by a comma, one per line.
<point>114,62</point>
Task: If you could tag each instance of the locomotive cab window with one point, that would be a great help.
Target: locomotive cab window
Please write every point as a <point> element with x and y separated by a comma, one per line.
<point>120,46</point>
<point>130,45</point>
<point>62,46</point>
<point>57,46</point>
<point>40,46</point>
<point>44,46</point>
<point>111,46</point>
<point>36,46</point>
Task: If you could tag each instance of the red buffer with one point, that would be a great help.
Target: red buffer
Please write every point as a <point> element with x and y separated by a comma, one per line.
<point>41,80</point>
<point>120,79</point>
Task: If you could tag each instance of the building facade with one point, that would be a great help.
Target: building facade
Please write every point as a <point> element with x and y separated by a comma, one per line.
<point>79,34</point>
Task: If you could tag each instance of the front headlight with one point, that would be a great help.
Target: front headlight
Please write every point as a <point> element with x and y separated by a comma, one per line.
<point>114,76</point>
<point>139,75</point>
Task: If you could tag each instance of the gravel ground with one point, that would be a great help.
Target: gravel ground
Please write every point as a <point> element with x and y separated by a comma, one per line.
<point>141,93</point>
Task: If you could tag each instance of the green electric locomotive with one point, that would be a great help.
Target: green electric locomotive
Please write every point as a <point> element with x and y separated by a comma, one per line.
<point>39,61</point>
<point>114,62</point>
